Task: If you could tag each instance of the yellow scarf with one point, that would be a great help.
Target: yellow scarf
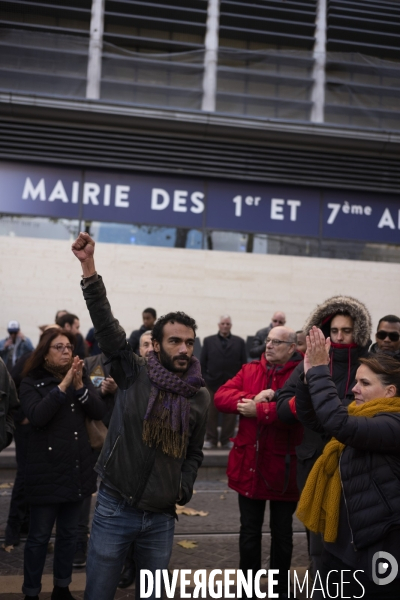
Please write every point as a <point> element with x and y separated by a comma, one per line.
<point>318,506</point>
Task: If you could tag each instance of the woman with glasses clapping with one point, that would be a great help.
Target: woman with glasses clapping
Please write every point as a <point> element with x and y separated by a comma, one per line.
<point>56,397</point>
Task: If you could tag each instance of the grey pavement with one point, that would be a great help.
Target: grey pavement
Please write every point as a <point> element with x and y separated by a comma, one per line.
<point>215,536</point>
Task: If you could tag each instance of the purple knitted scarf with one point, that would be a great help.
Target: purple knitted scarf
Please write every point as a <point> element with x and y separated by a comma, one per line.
<point>166,421</point>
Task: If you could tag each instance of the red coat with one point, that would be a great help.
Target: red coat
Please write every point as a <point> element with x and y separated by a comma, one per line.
<point>262,463</point>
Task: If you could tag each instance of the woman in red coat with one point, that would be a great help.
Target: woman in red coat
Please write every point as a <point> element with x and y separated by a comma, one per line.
<point>262,463</point>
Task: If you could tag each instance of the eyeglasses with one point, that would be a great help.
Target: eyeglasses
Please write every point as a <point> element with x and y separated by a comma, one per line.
<point>276,342</point>
<point>61,347</point>
<point>392,335</point>
<point>278,321</point>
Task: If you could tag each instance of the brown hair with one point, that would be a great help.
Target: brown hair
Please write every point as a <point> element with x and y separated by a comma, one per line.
<point>385,367</point>
<point>36,359</point>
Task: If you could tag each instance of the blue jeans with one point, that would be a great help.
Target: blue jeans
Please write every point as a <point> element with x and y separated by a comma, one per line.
<point>42,518</point>
<point>115,526</point>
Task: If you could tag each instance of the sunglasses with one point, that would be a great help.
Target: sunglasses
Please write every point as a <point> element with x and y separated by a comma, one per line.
<point>392,335</point>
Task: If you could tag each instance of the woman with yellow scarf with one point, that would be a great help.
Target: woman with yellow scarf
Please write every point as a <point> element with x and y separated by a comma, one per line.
<point>352,495</point>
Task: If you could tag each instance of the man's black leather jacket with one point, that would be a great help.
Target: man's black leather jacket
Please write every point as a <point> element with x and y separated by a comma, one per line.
<point>146,477</point>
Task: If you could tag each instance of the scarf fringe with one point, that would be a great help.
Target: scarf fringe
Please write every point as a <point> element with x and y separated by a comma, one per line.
<point>159,432</point>
<point>166,422</point>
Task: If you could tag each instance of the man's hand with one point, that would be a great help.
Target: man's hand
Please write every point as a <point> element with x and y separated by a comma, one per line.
<point>247,407</point>
<point>265,396</point>
<point>317,349</point>
<point>83,248</point>
<point>108,386</point>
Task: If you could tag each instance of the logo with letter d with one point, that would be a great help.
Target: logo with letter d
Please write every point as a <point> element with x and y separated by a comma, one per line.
<point>384,568</point>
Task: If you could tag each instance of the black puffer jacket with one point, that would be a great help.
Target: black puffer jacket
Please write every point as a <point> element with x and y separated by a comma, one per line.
<point>343,367</point>
<point>369,465</point>
<point>60,459</point>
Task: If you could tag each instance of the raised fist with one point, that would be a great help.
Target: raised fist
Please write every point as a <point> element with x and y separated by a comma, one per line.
<point>83,247</point>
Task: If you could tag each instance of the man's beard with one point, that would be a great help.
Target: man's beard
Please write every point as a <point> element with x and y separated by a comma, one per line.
<point>169,363</point>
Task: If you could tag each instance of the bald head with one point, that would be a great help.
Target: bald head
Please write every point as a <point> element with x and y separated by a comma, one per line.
<point>280,345</point>
<point>278,318</point>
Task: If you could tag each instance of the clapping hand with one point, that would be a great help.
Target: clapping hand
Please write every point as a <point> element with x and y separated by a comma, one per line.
<point>77,367</point>
<point>73,376</point>
<point>317,349</point>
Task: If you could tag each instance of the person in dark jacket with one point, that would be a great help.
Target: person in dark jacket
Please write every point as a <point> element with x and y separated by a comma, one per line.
<point>153,449</point>
<point>262,462</point>
<point>258,344</point>
<point>91,341</point>
<point>56,398</point>
<point>9,405</point>
<point>18,513</point>
<point>71,323</point>
<point>348,323</point>
<point>222,356</point>
<point>15,345</point>
<point>149,316</point>
<point>387,336</point>
<point>352,495</point>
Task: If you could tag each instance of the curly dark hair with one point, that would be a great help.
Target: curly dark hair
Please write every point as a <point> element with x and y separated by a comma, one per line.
<point>385,367</point>
<point>36,359</point>
<point>172,317</point>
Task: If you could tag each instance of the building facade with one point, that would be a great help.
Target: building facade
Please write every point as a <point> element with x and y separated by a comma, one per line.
<point>268,128</point>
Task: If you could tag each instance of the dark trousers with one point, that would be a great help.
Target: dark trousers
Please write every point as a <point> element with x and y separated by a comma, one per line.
<point>329,562</point>
<point>42,519</point>
<point>280,522</point>
<point>228,423</point>
<point>83,523</point>
<point>18,510</point>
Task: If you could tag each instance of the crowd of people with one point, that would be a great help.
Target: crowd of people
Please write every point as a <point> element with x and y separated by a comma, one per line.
<point>311,420</point>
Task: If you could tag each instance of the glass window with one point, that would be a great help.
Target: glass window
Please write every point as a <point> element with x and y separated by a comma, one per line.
<point>39,227</point>
<point>145,235</point>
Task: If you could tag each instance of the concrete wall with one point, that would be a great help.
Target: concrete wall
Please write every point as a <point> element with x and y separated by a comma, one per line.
<point>39,276</point>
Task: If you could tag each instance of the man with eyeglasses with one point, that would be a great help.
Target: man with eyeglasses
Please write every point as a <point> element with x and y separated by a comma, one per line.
<point>258,344</point>
<point>388,336</point>
<point>262,463</point>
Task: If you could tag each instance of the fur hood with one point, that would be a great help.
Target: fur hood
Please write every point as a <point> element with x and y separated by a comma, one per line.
<point>323,314</point>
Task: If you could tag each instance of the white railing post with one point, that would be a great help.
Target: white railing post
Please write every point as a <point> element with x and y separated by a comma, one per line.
<point>319,55</point>
<point>211,57</point>
<point>95,50</point>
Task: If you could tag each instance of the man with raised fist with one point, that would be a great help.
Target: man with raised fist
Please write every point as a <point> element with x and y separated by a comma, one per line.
<point>153,449</point>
